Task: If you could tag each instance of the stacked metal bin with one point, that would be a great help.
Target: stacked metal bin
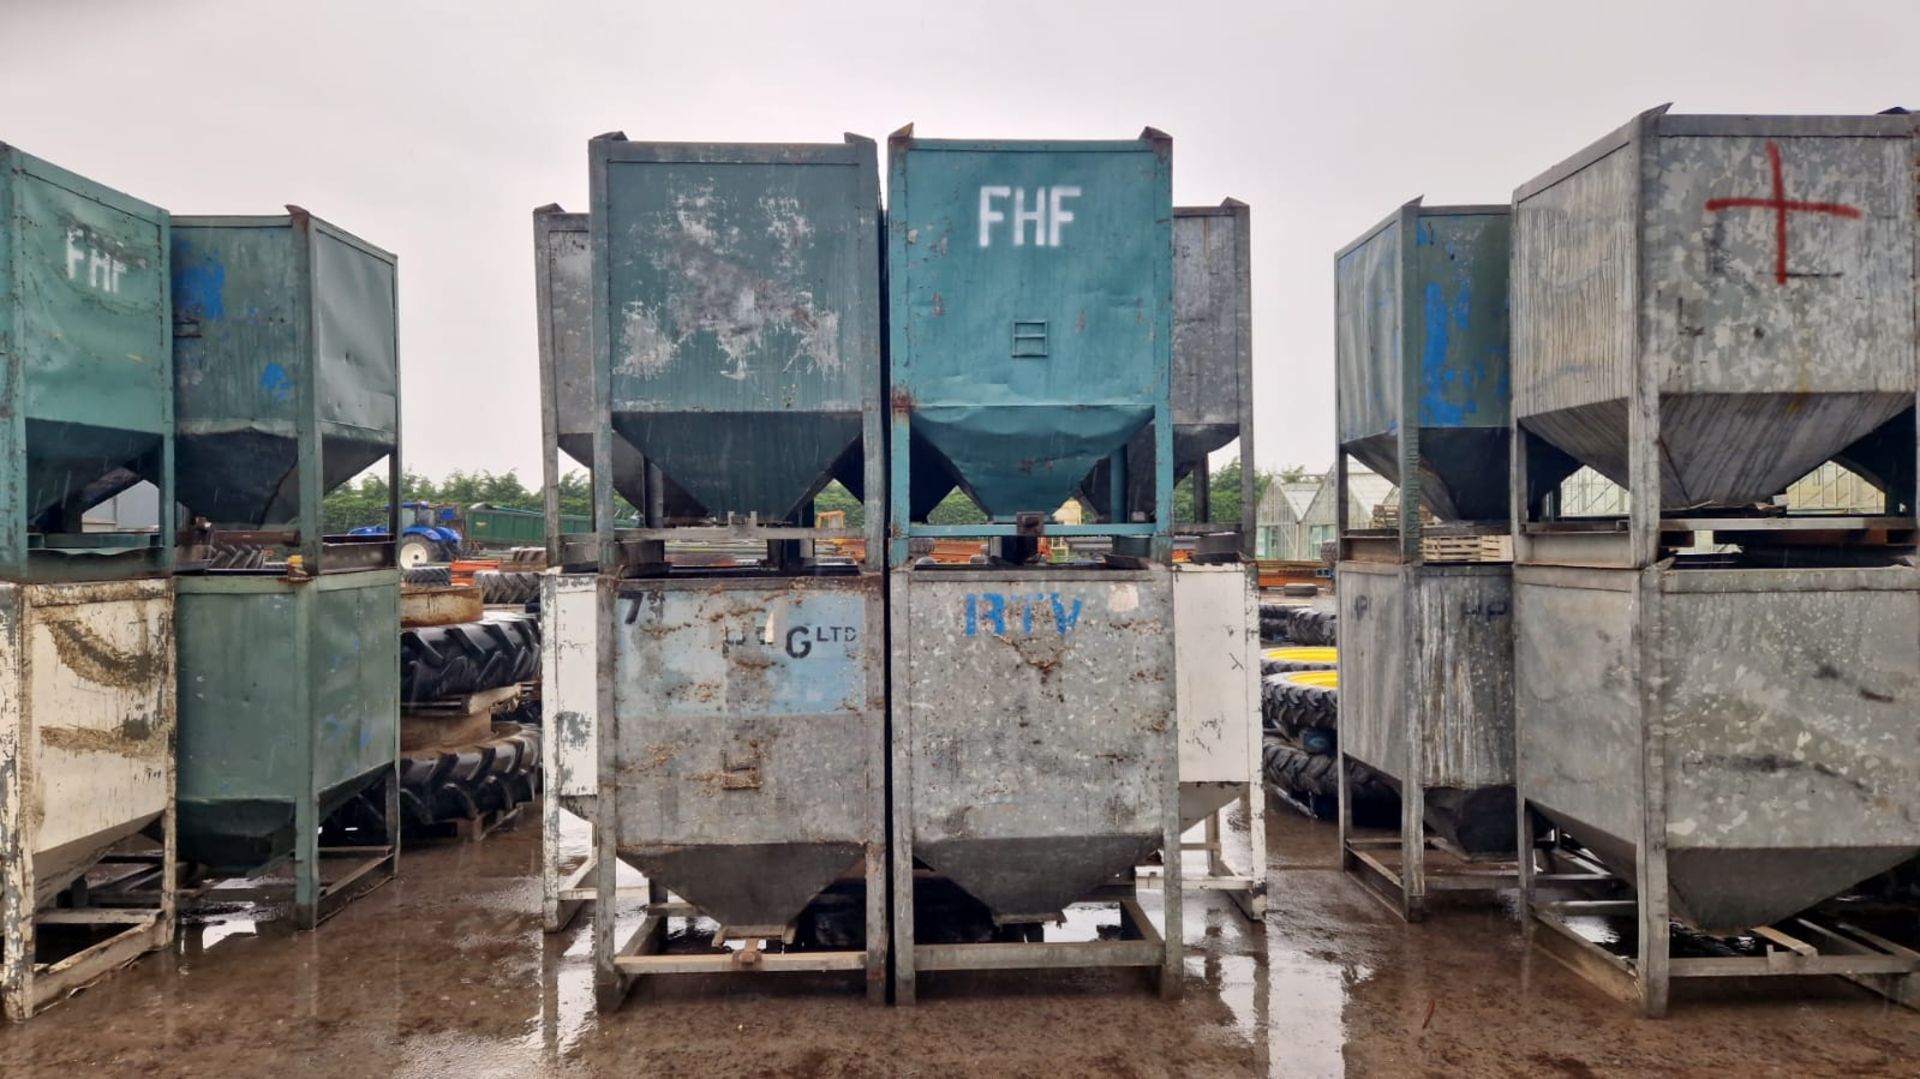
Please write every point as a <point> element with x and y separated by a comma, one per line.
<point>1426,605</point>
<point>740,713</point>
<point>86,617</point>
<point>287,386</point>
<point>1030,289</point>
<point>1716,700</point>
<point>569,601</point>
<point>1215,609</point>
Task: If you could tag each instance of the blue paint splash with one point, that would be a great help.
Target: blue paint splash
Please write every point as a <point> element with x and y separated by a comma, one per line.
<point>276,383</point>
<point>199,289</point>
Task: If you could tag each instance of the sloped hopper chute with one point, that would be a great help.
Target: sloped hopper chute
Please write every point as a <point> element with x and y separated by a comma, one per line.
<point>769,463</point>
<point>1015,458</point>
<point>248,476</point>
<point>1034,879</point>
<point>1455,463</point>
<point>1730,891</point>
<point>1725,449</point>
<point>750,885</point>
<point>68,460</point>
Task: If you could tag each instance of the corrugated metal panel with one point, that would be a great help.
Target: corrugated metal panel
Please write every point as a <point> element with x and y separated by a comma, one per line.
<point>1367,314</point>
<point>1031,294</point>
<point>1573,288</point>
<point>1212,350</point>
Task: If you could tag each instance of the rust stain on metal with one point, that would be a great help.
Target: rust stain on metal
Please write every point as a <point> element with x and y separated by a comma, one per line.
<point>902,399</point>
<point>134,736</point>
<point>97,660</point>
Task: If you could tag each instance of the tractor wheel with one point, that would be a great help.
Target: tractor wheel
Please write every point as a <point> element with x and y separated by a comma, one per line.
<point>414,551</point>
<point>465,782</point>
<point>1311,627</point>
<point>446,661</point>
<point>427,576</point>
<point>1291,769</point>
<point>504,586</point>
<point>1298,658</point>
<point>1301,699</point>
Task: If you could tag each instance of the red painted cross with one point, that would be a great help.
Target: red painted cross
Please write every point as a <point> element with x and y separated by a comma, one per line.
<point>1781,206</point>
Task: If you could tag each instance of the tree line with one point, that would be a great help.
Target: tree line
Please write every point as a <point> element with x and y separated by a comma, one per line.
<point>364,501</point>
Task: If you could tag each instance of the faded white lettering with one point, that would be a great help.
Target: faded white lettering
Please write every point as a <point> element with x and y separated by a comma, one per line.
<point>1058,214</point>
<point>103,269</point>
<point>988,215</point>
<point>1047,213</point>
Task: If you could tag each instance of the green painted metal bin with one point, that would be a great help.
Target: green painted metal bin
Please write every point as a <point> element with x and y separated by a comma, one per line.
<point>86,353</point>
<point>288,387</point>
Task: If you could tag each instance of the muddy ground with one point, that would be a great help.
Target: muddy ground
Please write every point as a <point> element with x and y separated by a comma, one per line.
<point>445,972</point>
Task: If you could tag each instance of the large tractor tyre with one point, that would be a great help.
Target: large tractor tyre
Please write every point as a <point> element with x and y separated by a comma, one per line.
<point>446,661</point>
<point>415,551</point>
<point>427,576</point>
<point>1275,620</point>
<point>1316,628</point>
<point>1306,699</point>
<point>1298,658</point>
<point>470,781</point>
<point>1293,770</point>
<point>507,586</point>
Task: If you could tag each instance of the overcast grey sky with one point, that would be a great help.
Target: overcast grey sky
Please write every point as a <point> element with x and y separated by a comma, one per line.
<point>433,129</point>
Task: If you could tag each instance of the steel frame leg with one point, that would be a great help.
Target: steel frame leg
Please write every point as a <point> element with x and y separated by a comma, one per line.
<point>876,972</point>
<point>306,863</point>
<point>1413,851</point>
<point>16,922</point>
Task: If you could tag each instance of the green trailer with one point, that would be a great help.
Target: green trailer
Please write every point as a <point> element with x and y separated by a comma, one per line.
<point>498,526</point>
<point>288,386</point>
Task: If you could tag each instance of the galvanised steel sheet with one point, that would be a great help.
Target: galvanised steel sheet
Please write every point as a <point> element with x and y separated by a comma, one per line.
<point>736,311</point>
<point>290,705</point>
<point>1421,338</point>
<point>1030,287</point>
<point>1212,394</point>
<point>279,319</point>
<point>86,344</point>
<point>1217,688</point>
<point>86,724</point>
<point>1034,728</point>
<point>748,738</point>
<point>1757,724</point>
<point>1756,272</point>
<point>1446,632</point>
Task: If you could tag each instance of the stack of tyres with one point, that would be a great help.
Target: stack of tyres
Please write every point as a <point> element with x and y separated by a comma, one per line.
<point>87,673</point>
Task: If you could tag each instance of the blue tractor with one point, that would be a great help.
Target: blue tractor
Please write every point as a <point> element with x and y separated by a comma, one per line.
<point>431,534</point>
